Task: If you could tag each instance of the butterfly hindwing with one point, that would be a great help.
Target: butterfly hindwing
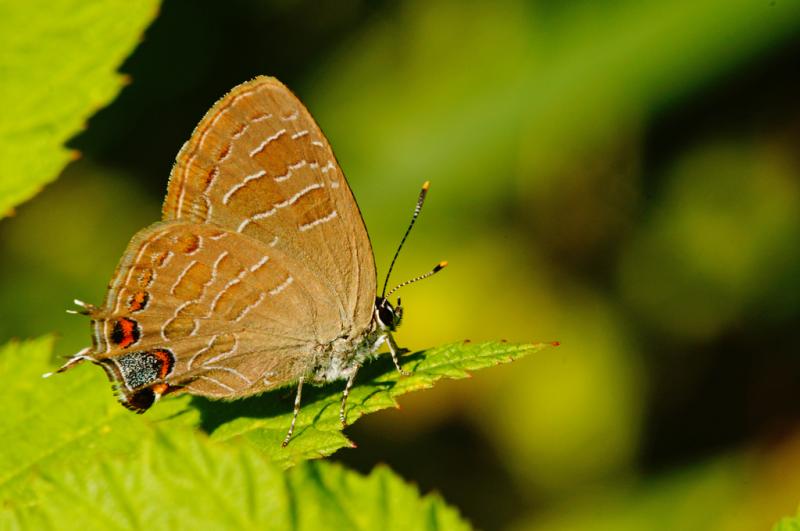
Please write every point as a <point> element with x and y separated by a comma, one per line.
<point>236,316</point>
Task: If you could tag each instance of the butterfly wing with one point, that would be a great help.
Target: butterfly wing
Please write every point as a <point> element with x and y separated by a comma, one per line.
<point>258,164</point>
<point>211,311</point>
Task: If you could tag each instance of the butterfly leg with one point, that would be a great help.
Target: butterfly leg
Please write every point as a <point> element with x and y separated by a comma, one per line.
<point>296,411</point>
<point>347,388</point>
<point>396,351</point>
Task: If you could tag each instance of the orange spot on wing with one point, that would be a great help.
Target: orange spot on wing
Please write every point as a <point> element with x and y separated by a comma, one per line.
<point>158,259</point>
<point>138,301</point>
<point>125,332</point>
<point>187,242</point>
<point>145,277</point>
<point>166,359</point>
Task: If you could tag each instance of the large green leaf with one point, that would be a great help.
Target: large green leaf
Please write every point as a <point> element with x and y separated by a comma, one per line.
<point>70,418</point>
<point>57,65</point>
<point>263,420</point>
<point>182,482</point>
<point>73,417</point>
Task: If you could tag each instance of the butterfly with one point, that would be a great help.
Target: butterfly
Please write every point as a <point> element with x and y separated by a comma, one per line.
<point>260,273</point>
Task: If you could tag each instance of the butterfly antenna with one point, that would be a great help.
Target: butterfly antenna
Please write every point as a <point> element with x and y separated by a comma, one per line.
<point>441,265</point>
<point>417,209</point>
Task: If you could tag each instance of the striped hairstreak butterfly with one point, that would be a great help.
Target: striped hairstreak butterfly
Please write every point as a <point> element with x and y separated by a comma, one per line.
<point>260,274</point>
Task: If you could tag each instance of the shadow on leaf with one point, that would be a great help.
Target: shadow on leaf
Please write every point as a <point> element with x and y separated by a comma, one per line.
<point>215,413</point>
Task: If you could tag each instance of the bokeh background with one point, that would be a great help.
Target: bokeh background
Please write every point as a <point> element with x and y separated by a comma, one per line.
<point>623,177</point>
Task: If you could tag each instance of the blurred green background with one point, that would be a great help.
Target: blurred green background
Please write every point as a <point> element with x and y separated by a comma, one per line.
<point>623,177</point>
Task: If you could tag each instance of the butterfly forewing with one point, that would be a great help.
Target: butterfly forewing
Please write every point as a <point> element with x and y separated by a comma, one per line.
<point>259,165</point>
<point>238,316</point>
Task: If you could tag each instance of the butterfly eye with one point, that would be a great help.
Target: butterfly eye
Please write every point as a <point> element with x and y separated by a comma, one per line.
<point>386,314</point>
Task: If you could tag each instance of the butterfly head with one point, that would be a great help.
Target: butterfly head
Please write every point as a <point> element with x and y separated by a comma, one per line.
<point>388,315</point>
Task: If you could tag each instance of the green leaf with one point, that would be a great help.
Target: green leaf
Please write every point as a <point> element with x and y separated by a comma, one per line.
<point>193,483</point>
<point>57,65</point>
<point>73,417</point>
<point>67,418</point>
<point>263,420</point>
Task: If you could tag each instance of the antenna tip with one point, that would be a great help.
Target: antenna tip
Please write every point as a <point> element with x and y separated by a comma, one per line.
<point>426,185</point>
<point>441,265</point>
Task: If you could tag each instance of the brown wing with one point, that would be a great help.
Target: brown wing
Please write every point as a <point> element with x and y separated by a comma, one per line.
<point>238,316</point>
<point>258,164</point>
